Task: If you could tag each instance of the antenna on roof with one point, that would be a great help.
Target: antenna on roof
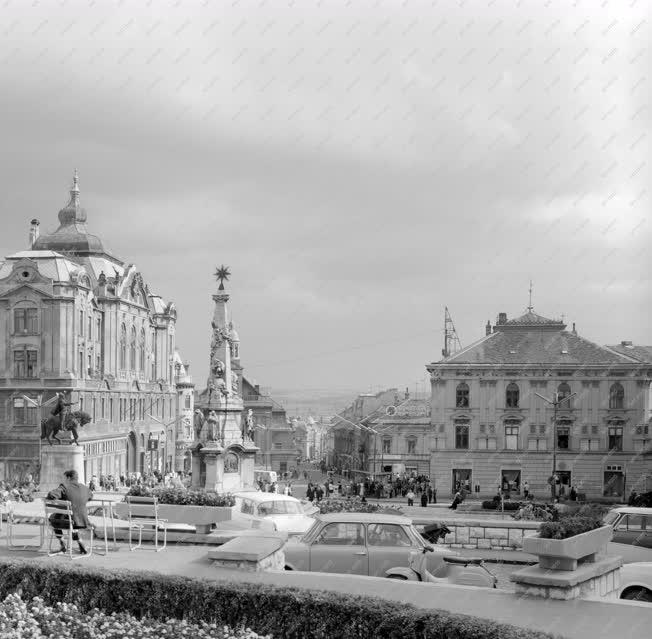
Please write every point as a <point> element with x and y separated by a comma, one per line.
<point>530,307</point>
<point>451,340</point>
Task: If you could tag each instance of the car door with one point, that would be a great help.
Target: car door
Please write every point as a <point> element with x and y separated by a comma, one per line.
<point>388,546</point>
<point>340,547</point>
<point>633,529</point>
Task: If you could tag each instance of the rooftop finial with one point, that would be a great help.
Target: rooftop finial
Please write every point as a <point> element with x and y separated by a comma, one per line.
<point>74,190</point>
<point>530,307</point>
<point>222,273</point>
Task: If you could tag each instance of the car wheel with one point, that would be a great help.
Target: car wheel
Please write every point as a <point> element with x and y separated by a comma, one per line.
<point>399,577</point>
<point>637,594</point>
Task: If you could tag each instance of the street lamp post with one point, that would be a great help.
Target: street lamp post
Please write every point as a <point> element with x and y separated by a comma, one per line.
<point>555,402</point>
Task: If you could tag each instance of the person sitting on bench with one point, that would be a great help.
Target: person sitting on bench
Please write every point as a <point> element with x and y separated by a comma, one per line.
<point>78,495</point>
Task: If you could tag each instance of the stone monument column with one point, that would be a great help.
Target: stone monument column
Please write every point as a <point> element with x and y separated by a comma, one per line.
<point>56,460</point>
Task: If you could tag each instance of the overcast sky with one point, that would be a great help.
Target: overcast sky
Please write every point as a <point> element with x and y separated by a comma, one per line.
<point>358,165</point>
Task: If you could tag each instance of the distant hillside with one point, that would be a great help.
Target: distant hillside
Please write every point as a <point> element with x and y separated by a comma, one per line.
<point>314,402</point>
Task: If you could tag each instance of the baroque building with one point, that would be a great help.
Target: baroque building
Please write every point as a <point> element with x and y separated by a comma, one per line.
<point>76,318</point>
<point>493,422</point>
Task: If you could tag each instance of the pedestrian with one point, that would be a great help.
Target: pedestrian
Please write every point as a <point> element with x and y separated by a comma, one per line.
<point>410,497</point>
<point>339,488</point>
<point>429,493</point>
<point>526,489</point>
<point>434,495</point>
<point>78,495</point>
<point>319,493</point>
<point>573,494</point>
<point>457,500</point>
<point>424,499</point>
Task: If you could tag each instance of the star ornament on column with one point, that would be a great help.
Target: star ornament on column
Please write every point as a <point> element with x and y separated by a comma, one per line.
<point>222,273</point>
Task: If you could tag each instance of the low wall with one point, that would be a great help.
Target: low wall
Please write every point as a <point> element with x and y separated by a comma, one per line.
<point>487,534</point>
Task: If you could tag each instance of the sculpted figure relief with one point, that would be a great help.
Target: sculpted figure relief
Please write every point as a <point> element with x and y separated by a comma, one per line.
<point>213,426</point>
<point>198,423</point>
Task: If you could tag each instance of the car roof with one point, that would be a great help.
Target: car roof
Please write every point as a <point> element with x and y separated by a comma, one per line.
<point>364,518</point>
<point>633,510</point>
<point>258,496</point>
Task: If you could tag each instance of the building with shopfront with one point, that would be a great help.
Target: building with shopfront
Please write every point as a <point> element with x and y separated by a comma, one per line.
<point>76,318</point>
<point>494,425</point>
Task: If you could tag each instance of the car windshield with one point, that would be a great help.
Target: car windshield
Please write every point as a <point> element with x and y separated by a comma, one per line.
<point>267,508</point>
<point>611,517</point>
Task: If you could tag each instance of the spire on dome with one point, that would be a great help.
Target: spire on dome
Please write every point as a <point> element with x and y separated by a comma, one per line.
<point>530,307</point>
<point>73,213</point>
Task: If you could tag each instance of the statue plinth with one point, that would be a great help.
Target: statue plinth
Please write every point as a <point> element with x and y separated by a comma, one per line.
<point>55,461</point>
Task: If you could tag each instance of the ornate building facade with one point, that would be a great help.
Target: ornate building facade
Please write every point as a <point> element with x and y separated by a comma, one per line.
<point>493,422</point>
<point>76,318</point>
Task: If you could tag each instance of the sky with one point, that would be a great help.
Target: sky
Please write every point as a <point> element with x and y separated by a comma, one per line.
<point>359,166</point>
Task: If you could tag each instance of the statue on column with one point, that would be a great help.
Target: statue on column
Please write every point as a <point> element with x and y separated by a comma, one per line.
<point>198,423</point>
<point>213,426</point>
<point>249,423</point>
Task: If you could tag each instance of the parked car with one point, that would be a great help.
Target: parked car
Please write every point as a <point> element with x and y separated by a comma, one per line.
<point>631,525</point>
<point>361,544</point>
<point>272,511</point>
<point>636,582</point>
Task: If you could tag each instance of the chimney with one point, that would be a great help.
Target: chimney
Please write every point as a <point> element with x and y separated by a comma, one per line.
<point>502,318</point>
<point>574,331</point>
<point>407,393</point>
<point>33,232</point>
<point>487,328</point>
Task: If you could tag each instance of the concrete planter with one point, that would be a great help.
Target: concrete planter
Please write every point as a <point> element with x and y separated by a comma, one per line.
<point>202,517</point>
<point>564,554</point>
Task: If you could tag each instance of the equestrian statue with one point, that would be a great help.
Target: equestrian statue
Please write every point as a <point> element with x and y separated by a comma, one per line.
<point>62,419</point>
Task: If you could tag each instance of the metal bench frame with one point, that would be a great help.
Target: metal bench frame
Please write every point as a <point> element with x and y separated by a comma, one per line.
<point>143,514</point>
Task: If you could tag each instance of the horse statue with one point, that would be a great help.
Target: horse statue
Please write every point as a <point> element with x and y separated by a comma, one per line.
<point>72,421</point>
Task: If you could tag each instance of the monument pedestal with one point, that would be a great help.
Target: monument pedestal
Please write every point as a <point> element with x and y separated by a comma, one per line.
<point>56,460</point>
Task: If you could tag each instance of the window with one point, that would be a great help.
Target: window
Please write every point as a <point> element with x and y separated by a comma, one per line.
<point>512,396</point>
<point>461,434</point>
<point>25,412</point>
<point>90,327</point>
<point>247,507</point>
<point>278,445</point>
<point>26,320</point>
<point>98,329</point>
<point>537,444</point>
<point>111,409</point>
<point>187,402</point>
<point>102,413</point>
<point>616,396</point>
<point>511,435</point>
<point>542,429</point>
<point>141,351</point>
<point>636,523</point>
<point>132,349</point>
<point>341,534</point>
<point>387,445</point>
<point>564,391</point>
<point>589,444</point>
<point>487,443</point>
<point>411,445</point>
<point>123,347</point>
<point>462,396</point>
<point>615,438</point>
<point>25,363</point>
<point>387,535</point>
<point>563,437</point>
<point>81,323</point>
<point>533,429</point>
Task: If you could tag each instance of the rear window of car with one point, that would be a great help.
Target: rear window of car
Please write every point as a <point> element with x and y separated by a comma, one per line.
<point>267,508</point>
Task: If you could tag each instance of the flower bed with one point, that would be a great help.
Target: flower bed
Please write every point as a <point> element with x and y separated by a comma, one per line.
<point>183,497</point>
<point>291,613</point>
<point>26,620</point>
<point>355,505</point>
<point>574,522</point>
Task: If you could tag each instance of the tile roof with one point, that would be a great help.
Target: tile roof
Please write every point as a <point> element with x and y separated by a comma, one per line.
<point>532,319</point>
<point>636,351</point>
<point>535,347</point>
<point>49,263</point>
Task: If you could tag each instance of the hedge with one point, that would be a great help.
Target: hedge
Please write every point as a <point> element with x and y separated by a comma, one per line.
<point>495,505</point>
<point>291,613</point>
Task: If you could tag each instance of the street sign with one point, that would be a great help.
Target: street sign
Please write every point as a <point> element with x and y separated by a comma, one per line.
<point>152,444</point>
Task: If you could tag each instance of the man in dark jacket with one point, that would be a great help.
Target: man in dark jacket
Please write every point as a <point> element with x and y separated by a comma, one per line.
<point>78,495</point>
<point>60,409</point>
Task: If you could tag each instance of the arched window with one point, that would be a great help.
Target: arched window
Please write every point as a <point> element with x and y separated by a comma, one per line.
<point>123,347</point>
<point>132,349</point>
<point>512,396</point>
<point>462,396</point>
<point>141,351</point>
<point>564,391</point>
<point>616,396</point>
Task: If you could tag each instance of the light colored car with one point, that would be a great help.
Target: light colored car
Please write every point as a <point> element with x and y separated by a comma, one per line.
<point>360,544</point>
<point>632,525</point>
<point>272,511</point>
<point>636,582</point>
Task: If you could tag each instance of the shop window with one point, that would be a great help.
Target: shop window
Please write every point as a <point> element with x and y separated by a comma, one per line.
<point>616,396</point>
<point>462,396</point>
<point>461,435</point>
<point>512,396</point>
<point>615,438</point>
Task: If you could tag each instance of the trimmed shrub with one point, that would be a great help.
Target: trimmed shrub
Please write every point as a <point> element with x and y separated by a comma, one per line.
<point>291,613</point>
<point>495,505</point>
<point>182,496</point>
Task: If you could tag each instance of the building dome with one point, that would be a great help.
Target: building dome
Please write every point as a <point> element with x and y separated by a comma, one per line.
<point>71,236</point>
